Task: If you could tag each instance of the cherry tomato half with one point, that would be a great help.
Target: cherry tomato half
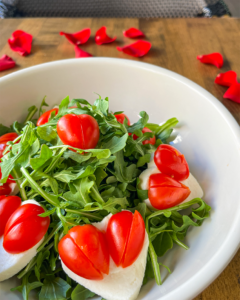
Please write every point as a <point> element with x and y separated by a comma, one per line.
<point>43,119</point>
<point>165,192</point>
<point>78,131</point>
<point>4,139</point>
<point>84,251</point>
<point>121,117</point>
<point>24,229</point>
<point>125,236</point>
<point>8,204</point>
<point>151,141</point>
<point>171,162</point>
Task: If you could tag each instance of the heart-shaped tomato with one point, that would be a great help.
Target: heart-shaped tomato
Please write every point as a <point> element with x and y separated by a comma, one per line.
<point>78,131</point>
<point>125,236</point>
<point>84,251</point>
<point>171,162</point>
<point>165,192</point>
<point>24,228</point>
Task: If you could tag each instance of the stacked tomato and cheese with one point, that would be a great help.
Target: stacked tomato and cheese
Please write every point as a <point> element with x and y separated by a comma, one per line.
<point>22,231</point>
<point>168,179</point>
<point>109,257</point>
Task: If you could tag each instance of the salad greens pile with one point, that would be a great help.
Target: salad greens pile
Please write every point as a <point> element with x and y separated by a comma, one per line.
<point>81,187</point>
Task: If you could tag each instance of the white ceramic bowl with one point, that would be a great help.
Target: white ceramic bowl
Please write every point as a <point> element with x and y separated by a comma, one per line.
<point>208,136</point>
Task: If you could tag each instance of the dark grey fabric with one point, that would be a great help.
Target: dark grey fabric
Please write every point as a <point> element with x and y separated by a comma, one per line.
<point>112,8</point>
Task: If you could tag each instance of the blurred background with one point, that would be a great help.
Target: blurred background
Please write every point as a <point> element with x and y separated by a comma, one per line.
<point>119,8</point>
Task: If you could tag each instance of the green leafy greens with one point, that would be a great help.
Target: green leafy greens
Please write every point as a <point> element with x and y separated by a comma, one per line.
<point>83,186</point>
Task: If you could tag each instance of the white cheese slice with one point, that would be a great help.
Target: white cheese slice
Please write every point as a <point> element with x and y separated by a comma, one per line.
<point>119,284</point>
<point>11,264</point>
<point>191,182</point>
<point>15,189</point>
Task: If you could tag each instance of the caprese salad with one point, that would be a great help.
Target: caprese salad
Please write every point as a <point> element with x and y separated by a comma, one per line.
<point>89,202</point>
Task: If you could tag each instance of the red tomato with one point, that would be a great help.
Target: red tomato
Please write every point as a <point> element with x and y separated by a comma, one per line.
<point>125,236</point>
<point>121,118</point>
<point>8,204</point>
<point>78,131</point>
<point>43,119</point>
<point>172,162</point>
<point>24,229</point>
<point>165,192</point>
<point>84,251</point>
<point>5,189</point>
<point>151,141</point>
<point>4,139</point>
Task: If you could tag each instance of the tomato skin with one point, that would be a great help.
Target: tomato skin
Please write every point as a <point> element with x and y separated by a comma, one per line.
<point>151,141</point>
<point>24,228</point>
<point>88,245</point>
<point>8,204</point>
<point>43,119</point>
<point>93,244</point>
<point>5,189</point>
<point>117,234</point>
<point>135,240</point>
<point>125,235</point>
<point>76,261</point>
<point>165,192</point>
<point>171,162</point>
<point>78,131</point>
<point>120,118</point>
<point>4,139</point>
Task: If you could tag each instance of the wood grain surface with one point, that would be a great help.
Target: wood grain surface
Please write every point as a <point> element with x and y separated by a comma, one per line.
<point>175,45</point>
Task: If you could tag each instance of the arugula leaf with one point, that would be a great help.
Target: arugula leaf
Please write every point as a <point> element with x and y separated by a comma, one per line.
<point>46,133</point>
<point>162,243</point>
<point>141,123</point>
<point>143,160</point>
<point>116,144</point>
<point>81,293</point>
<point>4,129</point>
<point>54,289</point>
<point>26,287</point>
<point>45,154</point>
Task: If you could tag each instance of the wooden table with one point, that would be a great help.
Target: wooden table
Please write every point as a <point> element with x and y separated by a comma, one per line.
<point>175,45</point>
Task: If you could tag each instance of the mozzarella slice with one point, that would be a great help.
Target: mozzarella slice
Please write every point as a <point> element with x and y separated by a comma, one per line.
<point>191,182</point>
<point>119,284</point>
<point>15,189</point>
<point>11,264</point>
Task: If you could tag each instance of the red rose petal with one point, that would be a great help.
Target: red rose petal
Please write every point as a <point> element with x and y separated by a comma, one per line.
<point>79,53</point>
<point>133,33</point>
<point>6,63</point>
<point>78,38</point>
<point>137,49</point>
<point>228,78</point>
<point>233,93</point>
<point>215,59</point>
<point>101,37</point>
<point>21,42</point>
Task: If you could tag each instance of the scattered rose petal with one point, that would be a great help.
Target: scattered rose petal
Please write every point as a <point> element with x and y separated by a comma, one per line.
<point>21,42</point>
<point>137,49</point>
<point>133,33</point>
<point>6,63</point>
<point>81,53</point>
<point>101,37</point>
<point>78,38</point>
<point>215,59</point>
<point>227,78</point>
<point>233,93</point>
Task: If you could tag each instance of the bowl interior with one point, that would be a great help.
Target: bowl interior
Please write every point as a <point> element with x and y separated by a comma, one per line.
<point>207,135</point>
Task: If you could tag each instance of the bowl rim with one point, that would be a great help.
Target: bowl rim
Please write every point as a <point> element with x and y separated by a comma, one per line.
<point>208,273</point>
